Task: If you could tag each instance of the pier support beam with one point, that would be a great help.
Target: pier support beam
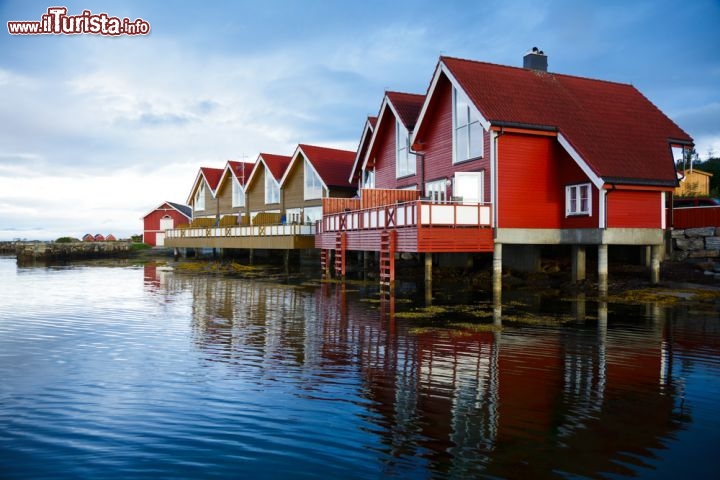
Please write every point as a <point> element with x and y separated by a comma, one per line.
<point>655,263</point>
<point>578,263</point>
<point>286,261</point>
<point>497,270</point>
<point>428,278</point>
<point>251,260</point>
<point>602,270</point>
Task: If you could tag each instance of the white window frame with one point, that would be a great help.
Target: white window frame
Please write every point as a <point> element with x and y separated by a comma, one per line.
<point>468,135</point>
<point>313,186</point>
<point>437,191</point>
<point>199,203</point>
<point>478,177</point>
<point>405,161</point>
<point>574,197</point>
<point>368,178</point>
<point>238,193</point>
<point>272,190</point>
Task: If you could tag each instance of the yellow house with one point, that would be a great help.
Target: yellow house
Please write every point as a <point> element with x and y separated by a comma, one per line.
<point>693,183</point>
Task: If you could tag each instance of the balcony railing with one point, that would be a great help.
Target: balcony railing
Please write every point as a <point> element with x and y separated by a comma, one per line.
<point>417,213</point>
<point>242,231</point>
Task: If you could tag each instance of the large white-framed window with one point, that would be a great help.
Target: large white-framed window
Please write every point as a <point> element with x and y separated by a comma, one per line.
<point>578,199</point>
<point>467,131</point>
<point>404,160</point>
<point>238,194</point>
<point>312,214</point>
<point>313,184</point>
<point>436,191</point>
<point>199,203</point>
<point>368,178</point>
<point>468,187</point>
<point>272,189</point>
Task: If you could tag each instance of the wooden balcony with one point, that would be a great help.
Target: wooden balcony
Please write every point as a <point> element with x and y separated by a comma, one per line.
<point>281,237</point>
<point>421,225</point>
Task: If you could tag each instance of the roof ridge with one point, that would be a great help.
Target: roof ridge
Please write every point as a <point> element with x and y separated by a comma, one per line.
<point>565,75</point>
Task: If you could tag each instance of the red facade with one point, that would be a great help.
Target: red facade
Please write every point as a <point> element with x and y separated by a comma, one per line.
<point>633,208</point>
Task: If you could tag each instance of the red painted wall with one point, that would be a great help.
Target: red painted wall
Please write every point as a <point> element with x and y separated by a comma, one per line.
<point>634,209</point>
<point>530,192</point>
<point>151,222</point>
<point>437,136</point>
<point>384,153</point>
<point>533,172</point>
<point>571,174</point>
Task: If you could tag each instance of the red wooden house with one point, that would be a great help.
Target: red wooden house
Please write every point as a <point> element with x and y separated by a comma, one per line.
<point>166,216</point>
<point>543,158</point>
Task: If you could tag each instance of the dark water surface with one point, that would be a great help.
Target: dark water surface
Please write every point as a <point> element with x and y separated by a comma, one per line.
<point>138,372</point>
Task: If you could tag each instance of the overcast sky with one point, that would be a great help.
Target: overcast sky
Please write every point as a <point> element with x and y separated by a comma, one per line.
<point>96,131</point>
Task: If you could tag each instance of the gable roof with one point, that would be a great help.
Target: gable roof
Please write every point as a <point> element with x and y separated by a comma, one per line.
<point>183,209</point>
<point>362,147</point>
<point>275,164</point>
<point>331,164</point>
<point>611,128</point>
<point>405,107</point>
<point>211,177</point>
<point>239,170</point>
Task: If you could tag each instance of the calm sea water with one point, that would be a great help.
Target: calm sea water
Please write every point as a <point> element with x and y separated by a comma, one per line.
<point>137,372</point>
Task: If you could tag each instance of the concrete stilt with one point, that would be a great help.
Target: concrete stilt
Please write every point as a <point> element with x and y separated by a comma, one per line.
<point>578,263</point>
<point>497,270</point>
<point>602,270</point>
<point>286,261</point>
<point>251,260</point>
<point>655,264</point>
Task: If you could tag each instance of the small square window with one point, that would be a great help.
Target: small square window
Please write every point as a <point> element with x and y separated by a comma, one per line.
<point>578,199</point>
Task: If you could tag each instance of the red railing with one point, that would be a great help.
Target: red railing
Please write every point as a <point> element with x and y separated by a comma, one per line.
<point>418,213</point>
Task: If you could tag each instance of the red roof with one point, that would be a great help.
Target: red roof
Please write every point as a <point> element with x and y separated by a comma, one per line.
<point>333,165</point>
<point>241,170</point>
<point>212,176</point>
<point>277,164</point>
<point>407,106</point>
<point>618,132</point>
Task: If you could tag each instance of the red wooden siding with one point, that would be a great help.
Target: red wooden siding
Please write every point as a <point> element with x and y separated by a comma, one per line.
<point>383,153</point>
<point>571,174</point>
<point>530,193</point>
<point>634,209</point>
<point>437,141</point>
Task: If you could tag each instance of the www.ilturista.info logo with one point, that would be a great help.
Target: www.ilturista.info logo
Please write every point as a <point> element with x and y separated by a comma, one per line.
<point>56,21</point>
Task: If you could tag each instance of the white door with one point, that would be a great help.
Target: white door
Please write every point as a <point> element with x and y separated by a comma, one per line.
<point>469,186</point>
<point>160,239</point>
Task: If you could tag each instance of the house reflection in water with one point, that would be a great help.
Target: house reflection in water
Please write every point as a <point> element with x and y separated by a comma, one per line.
<point>586,398</point>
